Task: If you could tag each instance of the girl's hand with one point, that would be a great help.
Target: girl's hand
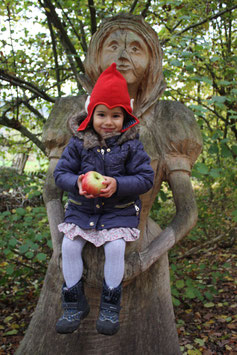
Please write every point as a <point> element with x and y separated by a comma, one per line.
<point>81,192</point>
<point>111,187</point>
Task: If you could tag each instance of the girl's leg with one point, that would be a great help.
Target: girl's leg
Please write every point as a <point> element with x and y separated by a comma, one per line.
<point>74,302</point>
<point>114,262</point>
<point>72,260</point>
<point>108,321</point>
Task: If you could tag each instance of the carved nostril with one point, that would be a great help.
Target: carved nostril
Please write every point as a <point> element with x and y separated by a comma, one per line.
<point>123,53</point>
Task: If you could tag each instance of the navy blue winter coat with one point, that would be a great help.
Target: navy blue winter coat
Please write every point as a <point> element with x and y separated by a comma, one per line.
<point>121,157</point>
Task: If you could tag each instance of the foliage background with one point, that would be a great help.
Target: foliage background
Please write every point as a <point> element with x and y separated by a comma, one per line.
<point>43,45</point>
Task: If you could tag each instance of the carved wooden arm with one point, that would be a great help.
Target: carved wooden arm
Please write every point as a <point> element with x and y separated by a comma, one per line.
<point>53,202</point>
<point>183,221</point>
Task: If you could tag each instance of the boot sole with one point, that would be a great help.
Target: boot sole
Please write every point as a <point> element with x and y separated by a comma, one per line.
<point>106,328</point>
<point>70,328</point>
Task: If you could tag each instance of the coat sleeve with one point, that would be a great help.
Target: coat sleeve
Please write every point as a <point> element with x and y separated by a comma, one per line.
<point>139,173</point>
<point>68,167</point>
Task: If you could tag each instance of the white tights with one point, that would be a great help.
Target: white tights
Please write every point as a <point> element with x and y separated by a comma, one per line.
<point>73,263</point>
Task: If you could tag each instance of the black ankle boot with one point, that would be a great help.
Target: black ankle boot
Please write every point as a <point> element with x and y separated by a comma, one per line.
<point>108,321</point>
<point>75,308</point>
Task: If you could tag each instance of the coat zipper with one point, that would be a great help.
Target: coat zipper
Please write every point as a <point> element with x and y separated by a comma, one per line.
<point>103,153</point>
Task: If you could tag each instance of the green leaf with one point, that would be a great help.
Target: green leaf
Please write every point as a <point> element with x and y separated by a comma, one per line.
<point>219,99</point>
<point>214,59</point>
<point>201,168</point>
<point>23,248</point>
<point>234,214</point>
<point>198,108</point>
<point>187,54</point>
<point>213,149</point>
<point>200,342</point>
<point>20,211</point>
<point>189,67</point>
<point>175,301</point>
<point>202,79</point>
<point>189,293</point>
<point>13,242</point>
<point>39,237</point>
<point>29,254</point>
<point>6,213</point>
<point>162,195</point>
<point>10,269</point>
<point>180,284</point>
<point>174,292</point>
<point>175,63</point>
<point>208,295</point>
<point>225,152</point>
<point>215,173</point>
<point>173,267</point>
<point>225,82</point>
<point>41,257</point>
<point>50,244</point>
<point>7,251</point>
<point>11,332</point>
<point>209,305</point>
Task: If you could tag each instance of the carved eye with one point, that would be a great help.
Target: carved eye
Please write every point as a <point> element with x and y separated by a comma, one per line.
<point>134,49</point>
<point>114,47</point>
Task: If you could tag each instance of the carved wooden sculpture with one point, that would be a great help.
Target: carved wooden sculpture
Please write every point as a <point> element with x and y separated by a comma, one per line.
<point>172,139</point>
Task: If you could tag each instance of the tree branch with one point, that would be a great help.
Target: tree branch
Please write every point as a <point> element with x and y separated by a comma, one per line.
<point>13,52</point>
<point>209,18</point>
<point>223,119</point>
<point>18,102</point>
<point>144,12</point>
<point>93,16</point>
<point>34,110</point>
<point>134,4</point>
<point>13,80</point>
<point>199,248</point>
<point>212,17</point>
<point>83,36</point>
<point>13,123</point>
<point>73,58</point>
<point>54,46</point>
<point>80,38</point>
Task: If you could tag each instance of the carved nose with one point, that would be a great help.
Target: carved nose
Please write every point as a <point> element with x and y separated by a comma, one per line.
<point>123,54</point>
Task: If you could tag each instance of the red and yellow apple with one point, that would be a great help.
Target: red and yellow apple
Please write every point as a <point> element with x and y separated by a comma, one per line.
<point>92,183</point>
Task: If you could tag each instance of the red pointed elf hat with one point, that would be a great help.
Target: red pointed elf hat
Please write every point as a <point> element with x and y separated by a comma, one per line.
<point>110,90</point>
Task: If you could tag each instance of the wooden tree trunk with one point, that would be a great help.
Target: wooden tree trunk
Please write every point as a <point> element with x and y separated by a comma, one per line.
<point>20,162</point>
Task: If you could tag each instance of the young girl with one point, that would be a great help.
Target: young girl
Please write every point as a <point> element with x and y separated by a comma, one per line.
<point>106,142</point>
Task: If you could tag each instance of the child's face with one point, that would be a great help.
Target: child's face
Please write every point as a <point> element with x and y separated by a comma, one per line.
<point>107,120</point>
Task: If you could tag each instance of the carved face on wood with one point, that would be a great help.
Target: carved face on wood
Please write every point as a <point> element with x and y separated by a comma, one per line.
<point>133,45</point>
<point>129,51</point>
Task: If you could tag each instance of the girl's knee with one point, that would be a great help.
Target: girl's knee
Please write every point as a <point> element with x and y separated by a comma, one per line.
<point>72,247</point>
<point>115,247</point>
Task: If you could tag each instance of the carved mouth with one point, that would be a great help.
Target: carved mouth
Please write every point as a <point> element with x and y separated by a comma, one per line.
<point>123,67</point>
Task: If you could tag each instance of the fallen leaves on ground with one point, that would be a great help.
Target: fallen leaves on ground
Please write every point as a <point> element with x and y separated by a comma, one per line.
<point>210,328</point>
